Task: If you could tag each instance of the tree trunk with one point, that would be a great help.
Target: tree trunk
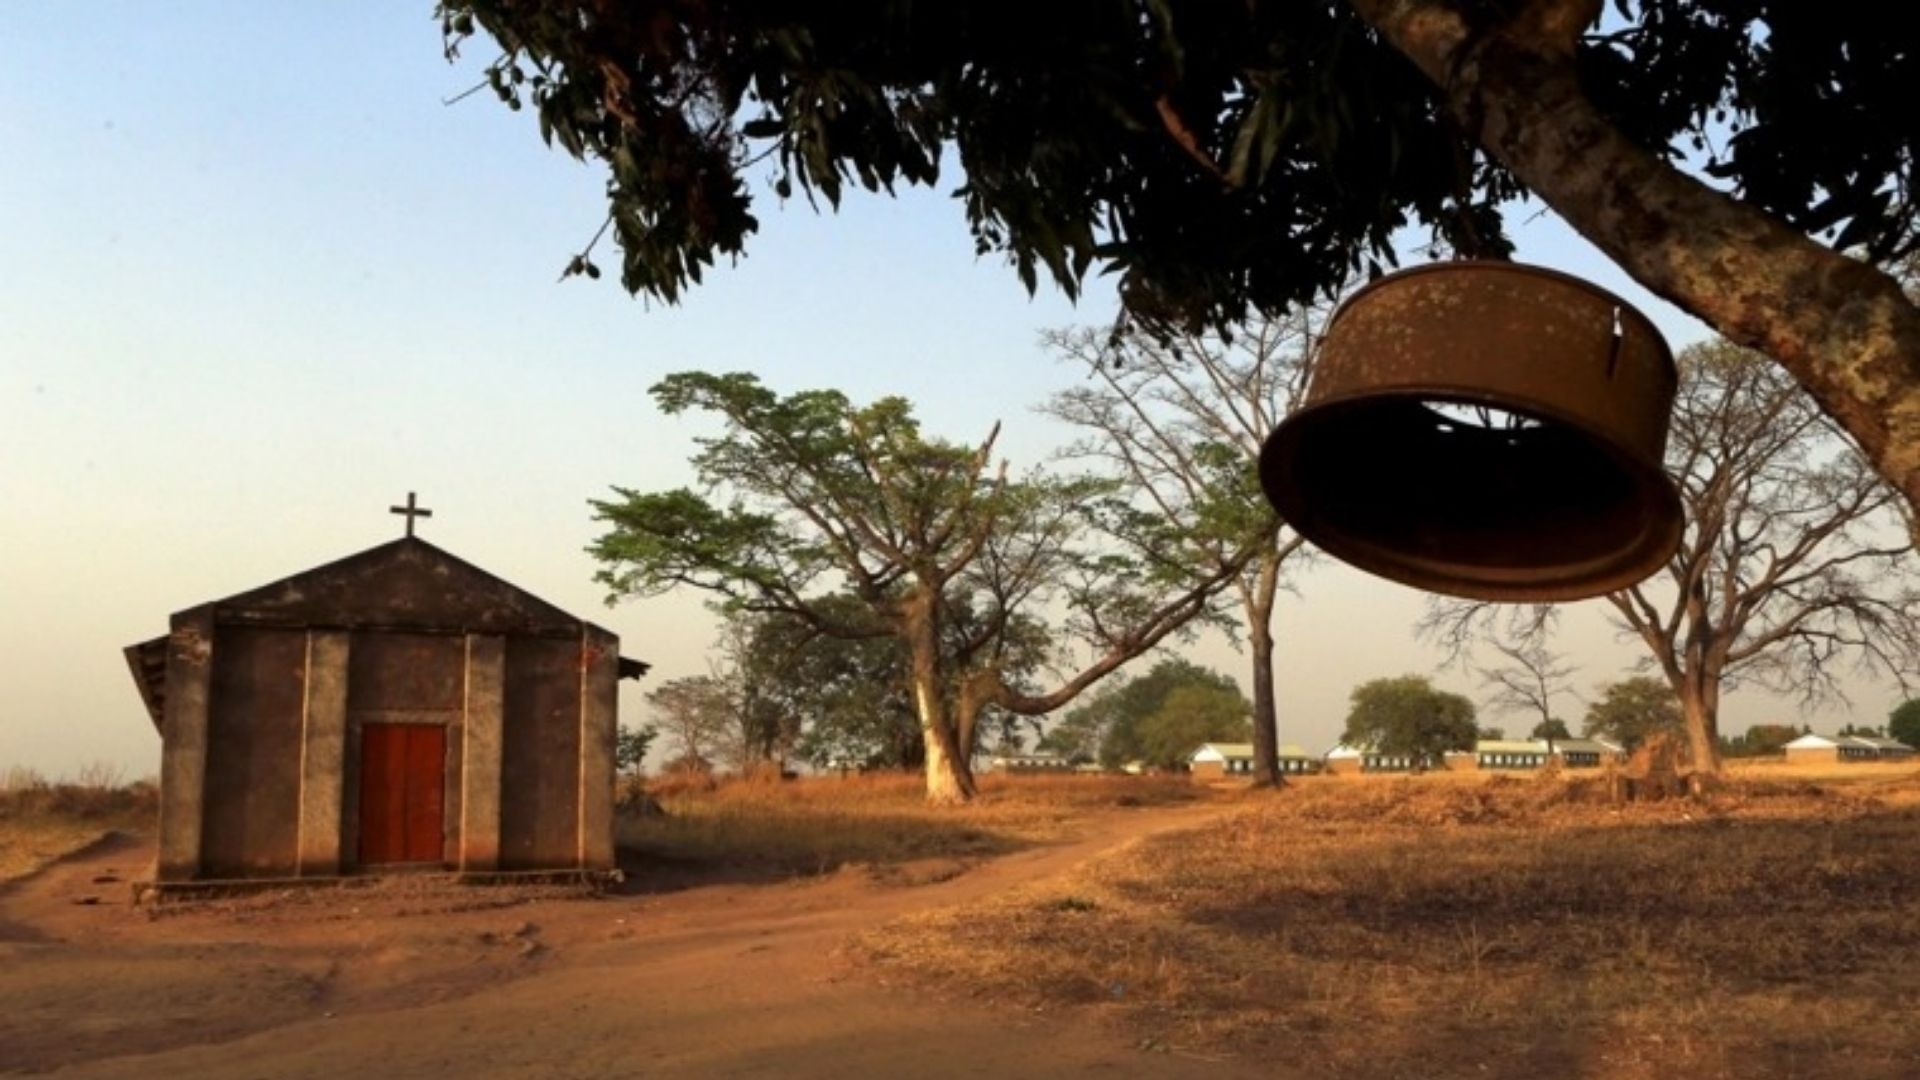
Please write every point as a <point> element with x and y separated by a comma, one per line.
<point>1700,703</point>
<point>976,689</point>
<point>949,780</point>
<point>1266,722</point>
<point>1843,329</point>
<point>949,770</point>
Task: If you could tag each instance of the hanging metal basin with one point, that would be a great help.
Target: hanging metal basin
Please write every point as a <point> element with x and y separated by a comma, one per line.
<point>1485,430</point>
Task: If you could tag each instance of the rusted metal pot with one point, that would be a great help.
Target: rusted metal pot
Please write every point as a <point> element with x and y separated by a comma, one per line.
<point>1485,430</point>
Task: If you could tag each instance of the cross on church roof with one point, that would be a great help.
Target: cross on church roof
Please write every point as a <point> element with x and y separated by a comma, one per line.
<point>411,511</point>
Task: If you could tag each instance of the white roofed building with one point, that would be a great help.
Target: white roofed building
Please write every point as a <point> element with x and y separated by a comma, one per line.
<point>1218,760</point>
<point>1815,749</point>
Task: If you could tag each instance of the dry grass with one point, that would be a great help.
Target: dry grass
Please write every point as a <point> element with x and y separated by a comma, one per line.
<point>1863,775</point>
<point>818,824</point>
<point>1500,927</point>
<point>42,820</point>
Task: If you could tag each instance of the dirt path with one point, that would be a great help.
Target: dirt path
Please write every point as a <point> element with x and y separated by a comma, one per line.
<point>716,980</point>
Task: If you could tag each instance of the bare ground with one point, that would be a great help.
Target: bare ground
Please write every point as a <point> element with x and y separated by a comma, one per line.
<point>671,977</point>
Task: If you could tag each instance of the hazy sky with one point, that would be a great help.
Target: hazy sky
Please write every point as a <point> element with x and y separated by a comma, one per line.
<point>257,282</point>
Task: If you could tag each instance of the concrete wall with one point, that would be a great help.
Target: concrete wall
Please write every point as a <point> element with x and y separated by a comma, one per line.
<point>255,724</point>
<point>1814,755</point>
<point>261,760</point>
<point>1208,770</point>
<point>183,745</point>
<point>480,753</point>
<point>599,721</point>
<point>540,755</point>
<point>323,763</point>
<point>405,678</point>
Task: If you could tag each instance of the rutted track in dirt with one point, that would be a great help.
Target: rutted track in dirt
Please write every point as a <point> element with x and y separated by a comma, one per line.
<point>732,979</point>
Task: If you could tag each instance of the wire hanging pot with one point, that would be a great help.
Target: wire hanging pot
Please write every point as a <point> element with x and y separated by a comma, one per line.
<point>1486,430</point>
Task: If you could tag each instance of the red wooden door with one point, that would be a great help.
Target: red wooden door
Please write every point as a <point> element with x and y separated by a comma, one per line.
<point>402,792</point>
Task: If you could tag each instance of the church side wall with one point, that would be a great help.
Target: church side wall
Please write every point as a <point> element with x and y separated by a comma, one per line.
<point>599,719</point>
<point>257,699</point>
<point>183,750</point>
<point>540,755</point>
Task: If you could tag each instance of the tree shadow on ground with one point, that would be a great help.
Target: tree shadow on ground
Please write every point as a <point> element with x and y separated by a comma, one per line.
<point>667,854</point>
<point>1498,930</point>
<point>1717,946</point>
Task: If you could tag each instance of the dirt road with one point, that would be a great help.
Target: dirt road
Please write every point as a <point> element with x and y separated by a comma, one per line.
<point>707,980</point>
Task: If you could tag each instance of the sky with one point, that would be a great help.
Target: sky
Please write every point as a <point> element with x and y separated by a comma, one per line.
<point>257,282</point>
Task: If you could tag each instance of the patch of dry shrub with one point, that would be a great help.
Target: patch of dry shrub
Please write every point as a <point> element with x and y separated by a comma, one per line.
<point>42,820</point>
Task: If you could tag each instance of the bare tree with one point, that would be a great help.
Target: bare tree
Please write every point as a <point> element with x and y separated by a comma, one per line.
<point>1181,422</point>
<point>1796,566</point>
<point>1793,566</point>
<point>1528,681</point>
<point>693,717</point>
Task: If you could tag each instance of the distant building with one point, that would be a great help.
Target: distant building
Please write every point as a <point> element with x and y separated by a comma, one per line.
<point>1375,761</point>
<point>1522,754</point>
<point>1344,758</point>
<point>1586,753</point>
<point>1034,762</point>
<point>1817,749</point>
<point>1217,760</point>
<point>1511,753</point>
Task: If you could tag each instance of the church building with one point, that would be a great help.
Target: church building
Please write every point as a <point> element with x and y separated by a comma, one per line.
<point>398,708</point>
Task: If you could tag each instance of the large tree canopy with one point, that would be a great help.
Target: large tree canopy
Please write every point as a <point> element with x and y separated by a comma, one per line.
<point>1226,156</point>
<point>1632,710</point>
<point>1116,719</point>
<point>851,522</point>
<point>1408,715</point>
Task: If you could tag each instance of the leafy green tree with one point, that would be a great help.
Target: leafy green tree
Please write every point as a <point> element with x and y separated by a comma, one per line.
<point>1760,740</point>
<point>1113,716</point>
<point>1075,737</point>
<point>810,498</point>
<point>1190,716</point>
<point>1108,723</point>
<point>1407,715</point>
<point>1903,723</point>
<point>630,747</point>
<point>1630,710</point>
<point>851,699</point>
<point>853,696</point>
<point>1492,733</point>
<point>1225,156</point>
<point>1551,728</point>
